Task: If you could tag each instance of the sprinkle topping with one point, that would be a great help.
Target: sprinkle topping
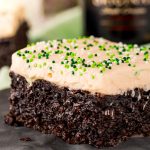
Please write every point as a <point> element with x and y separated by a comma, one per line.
<point>96,53</point>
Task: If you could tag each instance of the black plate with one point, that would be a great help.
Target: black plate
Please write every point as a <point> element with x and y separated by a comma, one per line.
<point>10,137</point>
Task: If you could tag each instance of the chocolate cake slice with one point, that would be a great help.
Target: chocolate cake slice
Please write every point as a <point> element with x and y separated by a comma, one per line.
<point>87,90</point>
<point>13,30</point>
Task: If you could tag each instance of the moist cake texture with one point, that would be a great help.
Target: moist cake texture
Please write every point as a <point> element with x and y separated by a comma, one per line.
<point>86,90</point>
<point>13,29</point>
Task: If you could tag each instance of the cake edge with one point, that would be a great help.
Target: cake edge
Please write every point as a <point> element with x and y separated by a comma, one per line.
<point>57,129</point>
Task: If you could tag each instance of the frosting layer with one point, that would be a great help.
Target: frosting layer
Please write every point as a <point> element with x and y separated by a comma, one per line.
<point>92,64</point>
<point>11,16</point>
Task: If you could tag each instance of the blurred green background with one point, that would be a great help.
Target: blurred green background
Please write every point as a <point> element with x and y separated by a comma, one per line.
<point>67,24</point>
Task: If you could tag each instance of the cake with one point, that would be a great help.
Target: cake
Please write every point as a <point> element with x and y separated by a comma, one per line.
<point>86,90</point>
<point>13,30</point>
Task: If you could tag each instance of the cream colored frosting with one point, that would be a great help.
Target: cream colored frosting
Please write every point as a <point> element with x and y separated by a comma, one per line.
<point>11,16</point>
<point>117,80</point>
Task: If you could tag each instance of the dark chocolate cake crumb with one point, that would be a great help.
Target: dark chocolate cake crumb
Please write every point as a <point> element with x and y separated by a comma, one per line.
<point>76,116</point>
<point>9,120</point>
<point>25,139</point>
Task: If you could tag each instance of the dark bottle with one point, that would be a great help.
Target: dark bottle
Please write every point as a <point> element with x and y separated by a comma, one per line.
<point>118,20</point>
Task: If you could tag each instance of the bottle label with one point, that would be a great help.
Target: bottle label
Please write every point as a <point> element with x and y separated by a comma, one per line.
<point>114,7</point>
<point>120,20</point>
<point>120,3</point>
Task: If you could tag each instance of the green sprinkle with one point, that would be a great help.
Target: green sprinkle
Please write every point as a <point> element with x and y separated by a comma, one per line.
<point>143,48</point>
<point>84,70</point>
<point>24,57</point>
<point>120,53</point>
<point>46,48</point>
<point>51,45</point>
<point>123,50</point>
<point>75,47</point>
<point>102,48</point>
<point>93,77</point>
<point>27,60</point>
<point>26,51</point>
<point>53,62</point>
<point>19,53</point>
<point>81,74</point>
<point>90,45</point>
<point>75,69</point>
<point>33,56</point>
<point>90,56</point>
<point>39,56</point>
<point>31,60</point>
<point>67,66</point>
<point>94,65</point>
<point>47,56</point>
<point>69,40</point>
<point>73,54</point>
<point>130,47</point>
<point>68,54</point>
<point>67,48</point>
<point>66,57</point>
<point>30,52</point>
<point>50,68</point>
<point>145,53</point>
<point>102,69</point>
<point>146,56</point>
<point>59,52</point>
<point>67,62</point>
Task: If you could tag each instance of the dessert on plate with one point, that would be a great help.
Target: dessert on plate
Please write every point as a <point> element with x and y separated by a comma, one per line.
<point>13,29</point>
<point>86,90</point>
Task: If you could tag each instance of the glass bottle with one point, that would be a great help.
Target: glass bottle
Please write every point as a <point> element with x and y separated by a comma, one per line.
<point>118,20</point>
